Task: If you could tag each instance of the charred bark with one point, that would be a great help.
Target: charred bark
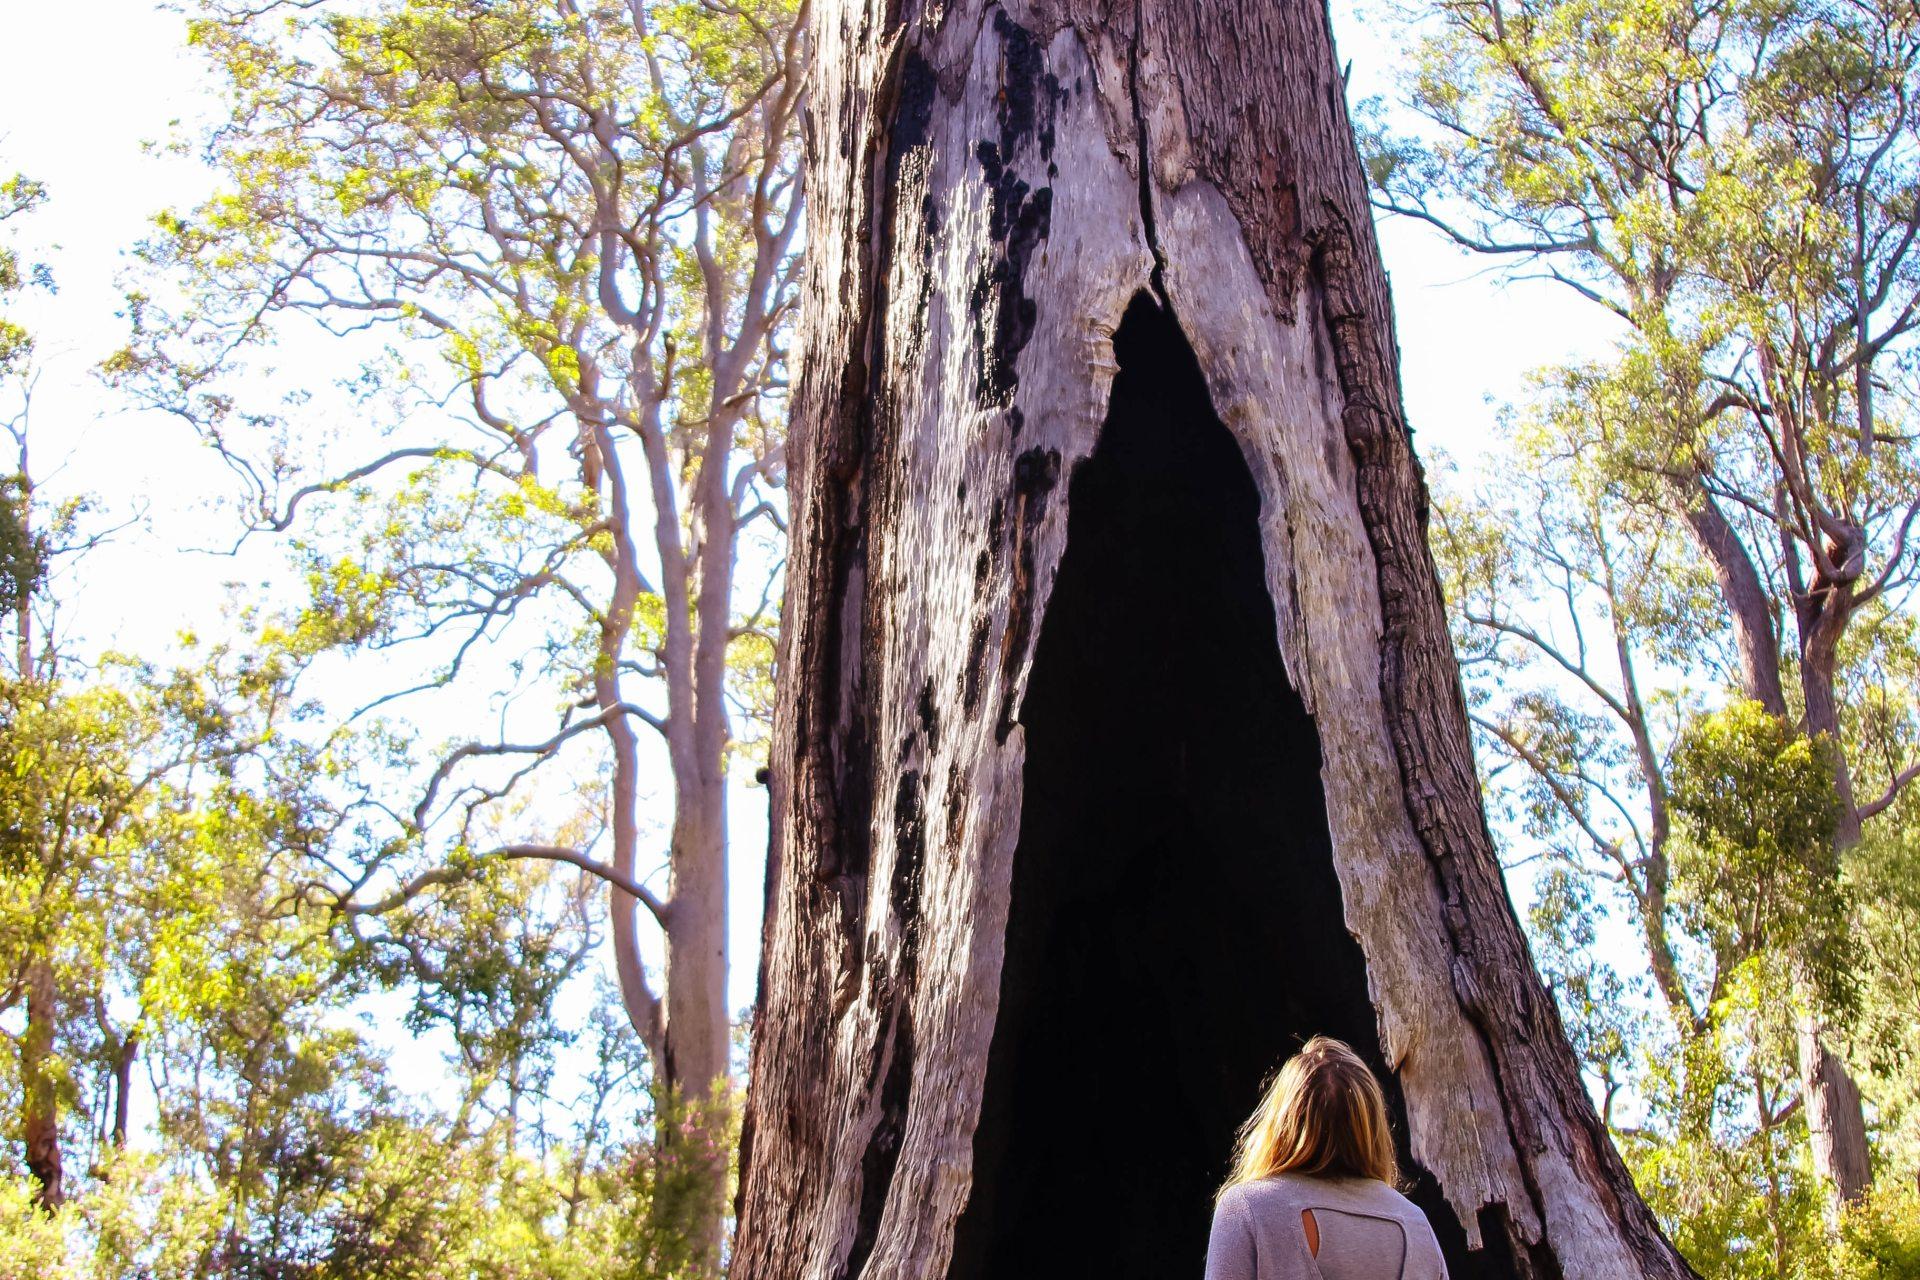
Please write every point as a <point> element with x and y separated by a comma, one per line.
<point>988,901</point>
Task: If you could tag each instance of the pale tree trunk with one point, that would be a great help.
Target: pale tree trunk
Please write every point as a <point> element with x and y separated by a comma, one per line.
<point>1836,1120</point>
<point>23,611</point>
<point>1120,744</point>
<point>700,472</point>
<point>698,1029</point>
<point>686,1029</point>
<point>694,1130</point>
<point>636,993</point>
<point>697,1022</point>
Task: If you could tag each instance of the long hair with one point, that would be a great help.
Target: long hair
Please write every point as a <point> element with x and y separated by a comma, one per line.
<point>1324,1115</point>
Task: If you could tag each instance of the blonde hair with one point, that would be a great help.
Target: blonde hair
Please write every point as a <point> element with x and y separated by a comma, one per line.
<point>1323,1115</point>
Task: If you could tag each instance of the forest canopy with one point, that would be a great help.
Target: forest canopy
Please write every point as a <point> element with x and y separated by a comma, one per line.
<point>384,916</point>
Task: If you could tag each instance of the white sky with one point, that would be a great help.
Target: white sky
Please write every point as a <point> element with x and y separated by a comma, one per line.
<point>84,87</point>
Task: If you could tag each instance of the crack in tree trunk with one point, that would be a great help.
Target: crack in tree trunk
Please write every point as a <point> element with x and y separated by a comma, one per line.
<point>960,362</point>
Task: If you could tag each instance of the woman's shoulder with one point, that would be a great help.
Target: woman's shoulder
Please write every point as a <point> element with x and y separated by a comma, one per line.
<point>1302,1191</point>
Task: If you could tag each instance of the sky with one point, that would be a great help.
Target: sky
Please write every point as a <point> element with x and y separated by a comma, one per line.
<point>88,89</point>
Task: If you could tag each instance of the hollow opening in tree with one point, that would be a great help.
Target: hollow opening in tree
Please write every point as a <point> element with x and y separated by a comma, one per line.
<point>1175,923</point>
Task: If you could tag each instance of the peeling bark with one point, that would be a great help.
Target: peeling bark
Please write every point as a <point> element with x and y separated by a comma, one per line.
<point>995,187</point>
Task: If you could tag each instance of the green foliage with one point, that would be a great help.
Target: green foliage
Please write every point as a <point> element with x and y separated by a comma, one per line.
<point>1754,867</point>
<point>1880,1239</point>
<point>22,551</point>
<point>1711,1196</point>
<point>174,848</point>
<point>1721,1156</point>
<point>284,1144</point>
<point>33,1242</point>
<point>19,195</point>
<point>1883,882</point>
<point>673,1178</point>
<point>394,1200</point>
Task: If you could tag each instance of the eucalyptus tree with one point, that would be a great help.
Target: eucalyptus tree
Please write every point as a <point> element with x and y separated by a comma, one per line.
<point>1119,741</point>
<point>565,233</point>
<point>1740,187</point>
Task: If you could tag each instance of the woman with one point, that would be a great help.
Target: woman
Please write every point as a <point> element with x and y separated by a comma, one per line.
<point>1312,1193</point>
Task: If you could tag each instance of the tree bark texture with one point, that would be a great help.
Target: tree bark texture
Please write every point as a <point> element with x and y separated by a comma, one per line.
<point>1835,1123</point>
<point>993,186</point>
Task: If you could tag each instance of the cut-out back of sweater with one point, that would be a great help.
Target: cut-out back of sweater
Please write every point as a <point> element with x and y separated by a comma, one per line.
<point>1368,1231</point>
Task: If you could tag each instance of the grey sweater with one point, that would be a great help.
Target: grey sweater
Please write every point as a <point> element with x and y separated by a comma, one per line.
<point>1368,1231</point>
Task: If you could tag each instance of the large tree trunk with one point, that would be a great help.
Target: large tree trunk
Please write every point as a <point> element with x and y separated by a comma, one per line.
<point>1120,744</point>
<point>698,1030</point>
<point>693,1132</point>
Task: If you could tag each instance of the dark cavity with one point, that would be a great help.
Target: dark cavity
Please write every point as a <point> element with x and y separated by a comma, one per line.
<point>1176,926</point>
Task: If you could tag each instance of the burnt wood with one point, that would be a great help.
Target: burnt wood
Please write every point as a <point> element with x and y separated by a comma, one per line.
<point>1119,739</point>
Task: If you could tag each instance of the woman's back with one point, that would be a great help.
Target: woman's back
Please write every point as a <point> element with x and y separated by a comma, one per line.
<point>1366,1231</point>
